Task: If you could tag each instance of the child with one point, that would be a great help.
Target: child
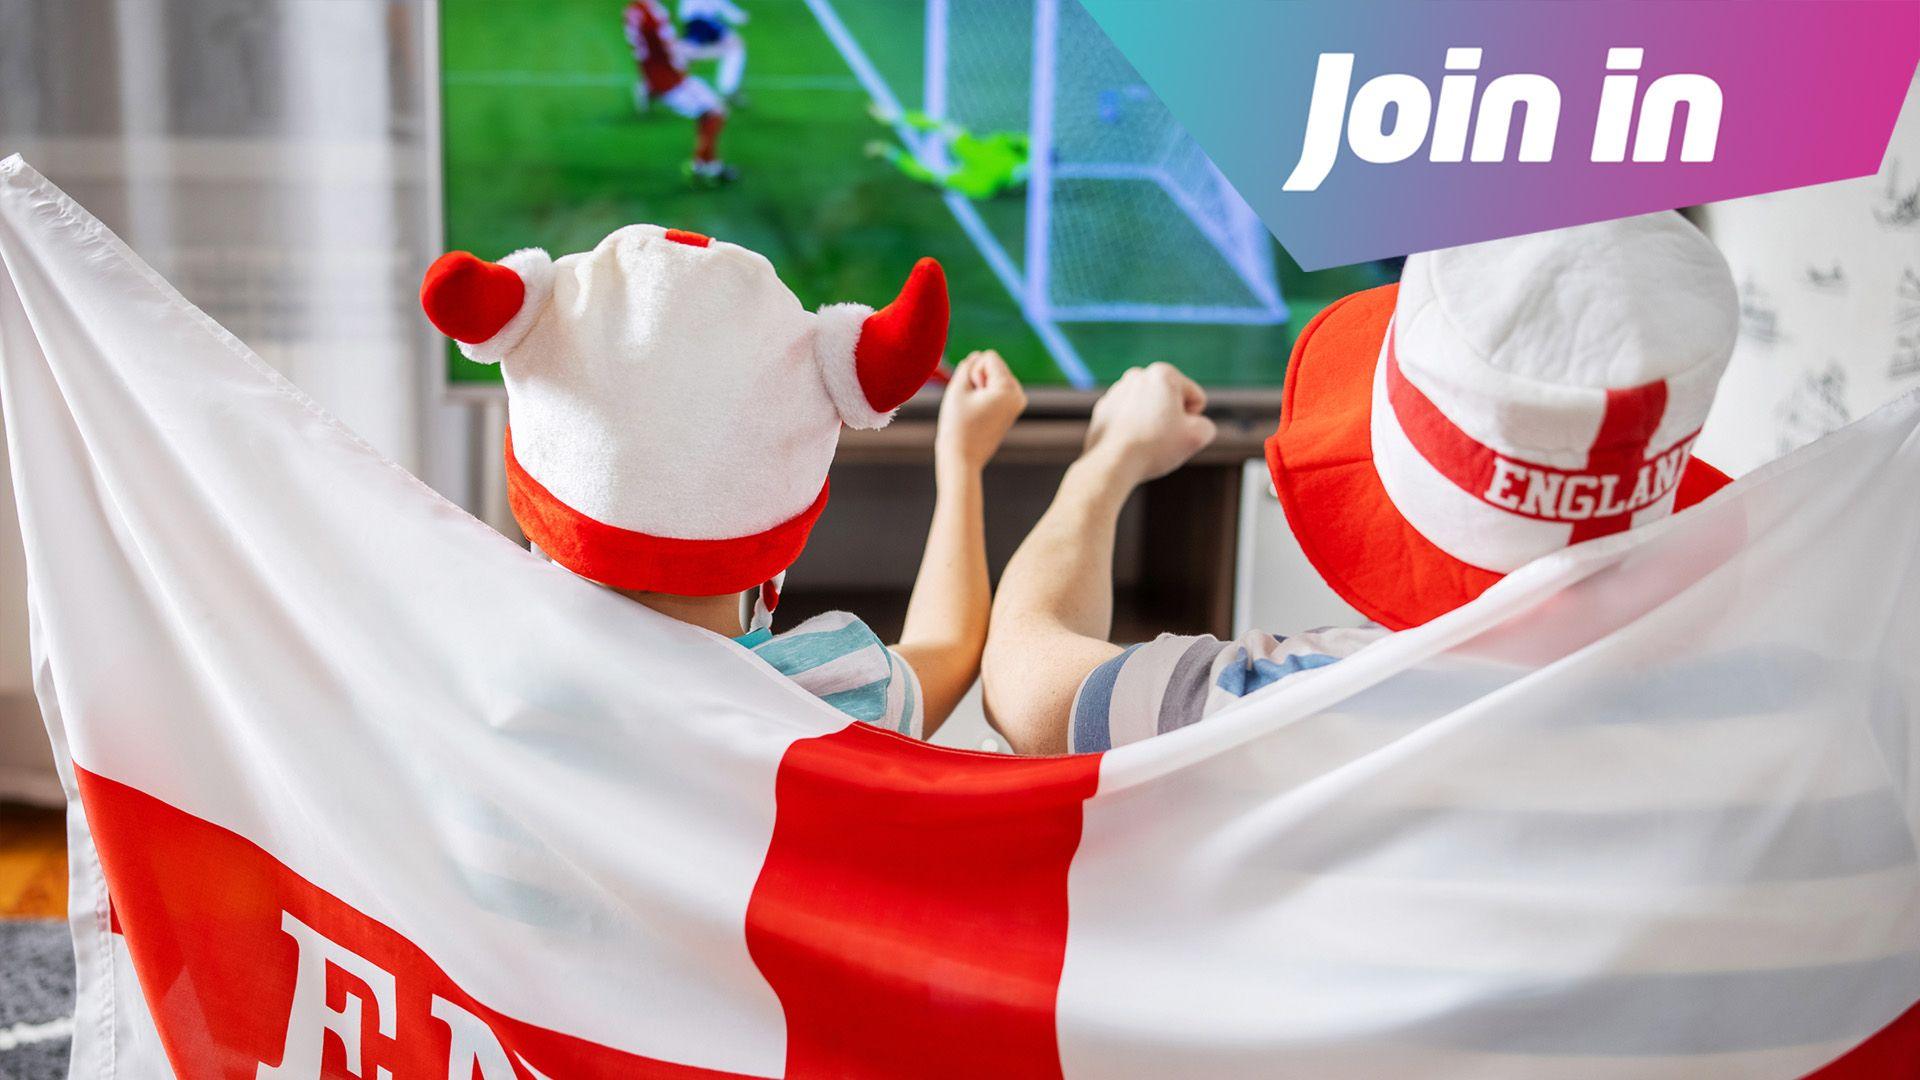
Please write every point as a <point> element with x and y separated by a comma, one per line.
<point>1505,401</point>
<point>663,78</point>
<point>672,414</point>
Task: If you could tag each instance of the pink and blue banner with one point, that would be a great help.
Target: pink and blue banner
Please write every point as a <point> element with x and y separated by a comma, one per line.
<point>1366,130</point>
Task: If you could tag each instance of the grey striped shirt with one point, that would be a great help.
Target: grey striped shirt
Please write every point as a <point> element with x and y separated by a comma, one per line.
<point>1174,681</point>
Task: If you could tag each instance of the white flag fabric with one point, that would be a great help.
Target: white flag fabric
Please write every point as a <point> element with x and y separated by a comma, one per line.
<point>361,789</point>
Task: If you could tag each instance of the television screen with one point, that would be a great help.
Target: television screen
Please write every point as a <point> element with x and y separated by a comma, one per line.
<point>1083,232</point>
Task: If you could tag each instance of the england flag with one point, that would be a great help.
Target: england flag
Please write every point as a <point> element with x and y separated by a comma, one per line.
<point>359,788</point>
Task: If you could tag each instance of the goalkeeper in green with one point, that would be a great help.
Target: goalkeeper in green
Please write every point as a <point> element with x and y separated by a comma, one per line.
<point>979,166</point>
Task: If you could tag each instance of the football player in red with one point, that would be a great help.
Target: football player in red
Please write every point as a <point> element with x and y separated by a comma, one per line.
<point>663,78</point>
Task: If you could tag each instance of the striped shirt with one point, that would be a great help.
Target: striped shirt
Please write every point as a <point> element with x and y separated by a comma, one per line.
<point>840,660</point>
<point>1174,681</point>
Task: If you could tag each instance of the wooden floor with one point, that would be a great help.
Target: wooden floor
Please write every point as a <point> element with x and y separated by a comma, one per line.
<point>33,863</point>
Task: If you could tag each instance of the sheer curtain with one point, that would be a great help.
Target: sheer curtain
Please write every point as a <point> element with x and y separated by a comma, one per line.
<point>272,158</point>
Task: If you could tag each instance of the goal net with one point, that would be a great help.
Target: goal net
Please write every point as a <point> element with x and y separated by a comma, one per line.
<point>1126,218</point>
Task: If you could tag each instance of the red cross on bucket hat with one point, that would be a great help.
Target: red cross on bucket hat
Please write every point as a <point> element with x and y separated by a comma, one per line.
<point>1504,401</point>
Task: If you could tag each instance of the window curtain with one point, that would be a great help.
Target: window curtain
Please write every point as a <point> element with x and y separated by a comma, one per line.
<point>274,160</point>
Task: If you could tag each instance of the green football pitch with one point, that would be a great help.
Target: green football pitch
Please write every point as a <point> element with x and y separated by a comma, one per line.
<point>543,147</point>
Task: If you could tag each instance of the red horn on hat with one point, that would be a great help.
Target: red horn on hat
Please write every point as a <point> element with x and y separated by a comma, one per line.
<point>900,345</point>
<point>468,298</point>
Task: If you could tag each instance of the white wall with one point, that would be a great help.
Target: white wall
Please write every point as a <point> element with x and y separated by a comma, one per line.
<point>1829,281</point>
<point>1277,589</point>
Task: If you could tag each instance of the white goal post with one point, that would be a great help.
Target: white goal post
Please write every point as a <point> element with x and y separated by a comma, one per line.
<point>1116,184</point>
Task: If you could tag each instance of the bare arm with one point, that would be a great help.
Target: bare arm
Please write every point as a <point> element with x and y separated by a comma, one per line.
<point>1054,611</point>
<point>946,624</point>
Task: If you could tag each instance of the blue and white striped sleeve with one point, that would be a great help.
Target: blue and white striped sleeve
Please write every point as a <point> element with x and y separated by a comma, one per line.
<point>838,658</point>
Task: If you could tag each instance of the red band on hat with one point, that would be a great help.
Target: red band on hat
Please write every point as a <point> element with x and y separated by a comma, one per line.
<point>1620,479</point>
<point>626,559</point>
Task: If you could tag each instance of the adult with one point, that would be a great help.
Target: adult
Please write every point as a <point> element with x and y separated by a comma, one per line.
<point>1503,401</point>
<point>660,58</point>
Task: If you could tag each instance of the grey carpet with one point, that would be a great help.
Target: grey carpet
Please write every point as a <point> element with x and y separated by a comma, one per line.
<point>36,988</point>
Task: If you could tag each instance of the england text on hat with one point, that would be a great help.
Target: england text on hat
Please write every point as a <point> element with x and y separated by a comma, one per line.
<point>1549,494</point>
